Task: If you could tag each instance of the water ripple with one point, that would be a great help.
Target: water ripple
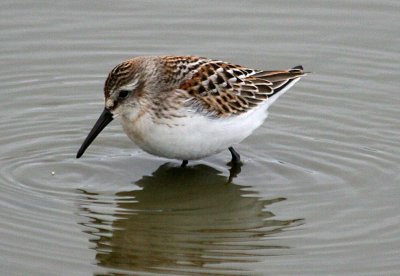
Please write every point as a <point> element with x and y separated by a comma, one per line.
<point>318,192</point>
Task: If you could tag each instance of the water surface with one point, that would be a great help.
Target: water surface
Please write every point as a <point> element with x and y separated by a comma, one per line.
<point>318,193</point>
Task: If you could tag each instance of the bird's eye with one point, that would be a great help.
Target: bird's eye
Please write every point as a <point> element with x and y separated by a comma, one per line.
<point>123,93</point>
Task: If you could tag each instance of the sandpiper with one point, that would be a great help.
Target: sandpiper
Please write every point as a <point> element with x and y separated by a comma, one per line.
<point>188,107</point>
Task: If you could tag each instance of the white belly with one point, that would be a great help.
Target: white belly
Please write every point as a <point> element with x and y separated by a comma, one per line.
<point>194,137</point>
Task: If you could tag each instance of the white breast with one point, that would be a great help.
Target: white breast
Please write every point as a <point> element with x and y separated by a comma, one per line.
<point>193,137</point>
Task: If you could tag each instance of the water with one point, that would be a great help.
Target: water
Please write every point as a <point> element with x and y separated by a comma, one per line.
<point>319,191</point>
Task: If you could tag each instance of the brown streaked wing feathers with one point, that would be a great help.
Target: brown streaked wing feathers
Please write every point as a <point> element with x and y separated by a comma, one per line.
<point>223,89</point>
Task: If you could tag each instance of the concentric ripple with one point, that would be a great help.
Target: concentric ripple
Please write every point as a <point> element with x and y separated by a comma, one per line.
<point>319,190</point>
<point>169,220</point>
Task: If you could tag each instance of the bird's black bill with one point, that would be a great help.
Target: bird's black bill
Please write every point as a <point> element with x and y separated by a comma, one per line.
<point>104,119</point>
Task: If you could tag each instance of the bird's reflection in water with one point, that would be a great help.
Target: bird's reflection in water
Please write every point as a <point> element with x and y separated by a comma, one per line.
<point>182,219</point>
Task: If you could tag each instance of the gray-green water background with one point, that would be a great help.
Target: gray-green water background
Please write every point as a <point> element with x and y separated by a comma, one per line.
<point>319,191</point>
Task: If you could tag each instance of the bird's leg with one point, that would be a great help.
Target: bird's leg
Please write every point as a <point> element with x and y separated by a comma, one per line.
<point>235,164</point>
<point>184,163</point>
<point>235,157</point>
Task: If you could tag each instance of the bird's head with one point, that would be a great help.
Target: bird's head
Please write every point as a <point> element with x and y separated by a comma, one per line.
<point>123,91</point>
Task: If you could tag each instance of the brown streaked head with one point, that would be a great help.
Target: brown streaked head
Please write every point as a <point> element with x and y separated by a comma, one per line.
<point>119,89</point>
<point>121,82</point>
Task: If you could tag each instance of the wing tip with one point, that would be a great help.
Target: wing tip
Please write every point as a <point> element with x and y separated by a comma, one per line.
<point>301,69</point>
<point>298,67</point>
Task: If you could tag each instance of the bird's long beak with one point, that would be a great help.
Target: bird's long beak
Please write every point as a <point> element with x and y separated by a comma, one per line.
<point>105,118</point>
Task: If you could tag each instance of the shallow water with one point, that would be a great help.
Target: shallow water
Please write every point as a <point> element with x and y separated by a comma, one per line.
<point>319,191</point>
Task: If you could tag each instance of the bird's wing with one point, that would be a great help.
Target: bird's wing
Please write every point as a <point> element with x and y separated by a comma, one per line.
<point>222,89</point>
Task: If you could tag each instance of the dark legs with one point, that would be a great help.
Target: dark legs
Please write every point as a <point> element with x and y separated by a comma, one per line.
<point>184,163</point>
<point>235,156</point>
<point>235,164</point>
